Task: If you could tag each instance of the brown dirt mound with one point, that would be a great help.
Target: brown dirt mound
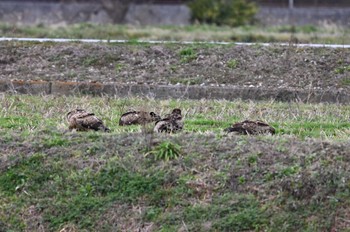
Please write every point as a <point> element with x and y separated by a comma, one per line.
<point>206,65</point>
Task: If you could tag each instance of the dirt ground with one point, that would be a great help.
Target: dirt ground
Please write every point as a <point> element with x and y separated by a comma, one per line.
<point>274,67</point>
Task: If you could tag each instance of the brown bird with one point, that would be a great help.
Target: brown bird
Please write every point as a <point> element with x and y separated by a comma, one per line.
<point>138,117</point>
<point>81,120</point>
<point>248,127</point>
<point>171,123</point>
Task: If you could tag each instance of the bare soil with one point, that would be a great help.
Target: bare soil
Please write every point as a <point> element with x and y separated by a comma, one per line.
<point>287,67</point>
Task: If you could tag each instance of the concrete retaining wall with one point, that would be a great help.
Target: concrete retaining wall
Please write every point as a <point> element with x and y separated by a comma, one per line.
<point>30,13</point>
<point>177,92</point>
<point>143,14</point>
<point>304,16</point>
<point>147,14</point>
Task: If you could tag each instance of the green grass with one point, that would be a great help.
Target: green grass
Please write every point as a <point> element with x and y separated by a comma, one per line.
<point>346,81</point>
<point>305,34</point>
<point>34,113</point>
<point>232,63</point>
<point>342,69</point>
<point>187,55</point>
<point>54,179</point>
<point>165,151</point>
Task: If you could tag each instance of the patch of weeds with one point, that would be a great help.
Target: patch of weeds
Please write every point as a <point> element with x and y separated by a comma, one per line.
<point>14,122</point>
<point>315,129</point>
<point>118,67</point>
<point>152,213</point>
<point>269,176</point>
<point>232,63</point>
<point>289,171</point>
<point>241,179</point>
<point>92,150</point>
<point>90,61</point>
<point>134,41</point>
<point>345,81</point>
<point>186,81</point>
<point>11,221</point>
<point>97,60</point>
<point>165,151</point>
<point>173,68</point>
<point>27,175</point>
<point>286,29</point>
<point>85,194</point>
<point>229,212</point>
<point>176,80</point>
<point>187,55</point>
<point>125,185</point>
<point>253,159</point>
<point>342,69</point>
<point>201,124</point>
<point>56,58</point>
<point>307,29</point>
<point>55,140</point>
<point>281,147</point>
<point>309,159</point>
<point>79,209</point>
<point>72,74</point>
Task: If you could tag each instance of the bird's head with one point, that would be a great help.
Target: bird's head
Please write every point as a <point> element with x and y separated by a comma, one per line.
<point>229,129</point>
<point>155,117</point>
<point>176,111</point>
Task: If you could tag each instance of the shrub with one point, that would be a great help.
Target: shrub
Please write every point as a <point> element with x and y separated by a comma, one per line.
<point>223,12</point>
<point>165,151</point>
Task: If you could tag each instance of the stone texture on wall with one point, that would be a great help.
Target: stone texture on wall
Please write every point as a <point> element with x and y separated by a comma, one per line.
<point>147,14</point>
<point>52,13</point>
<point>303,16</point>
<point>156,14</point>
<point>58,13</point>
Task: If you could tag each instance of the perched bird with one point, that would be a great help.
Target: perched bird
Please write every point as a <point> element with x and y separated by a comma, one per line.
<point>81,120</point>
<point>171,123</point>
<point>248,127</point>
<point>138,117</point>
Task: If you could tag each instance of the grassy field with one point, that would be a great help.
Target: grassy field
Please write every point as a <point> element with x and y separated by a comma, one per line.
<point>325,34</point>
<point>52,179</point>
<point>324,121</point>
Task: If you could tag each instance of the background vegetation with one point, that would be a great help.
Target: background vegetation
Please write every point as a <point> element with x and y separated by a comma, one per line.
<point>224,12</point>
<point>325,34</point>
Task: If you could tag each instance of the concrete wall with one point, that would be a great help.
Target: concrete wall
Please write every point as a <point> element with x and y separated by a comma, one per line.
<point>52,13</point>
<point>57,13</point>
<point>143,14</point>
<point>147,14</point>
<point>303,16</point>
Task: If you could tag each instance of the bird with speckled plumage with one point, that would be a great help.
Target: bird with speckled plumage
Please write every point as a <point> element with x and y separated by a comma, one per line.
<point>249,127</point>
<point>138,118</point>
<point>81,120</point>
<point>171,123</point>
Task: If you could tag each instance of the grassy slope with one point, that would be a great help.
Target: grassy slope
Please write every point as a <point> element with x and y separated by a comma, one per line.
<point>304,34</point>
<point>52,179</point>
